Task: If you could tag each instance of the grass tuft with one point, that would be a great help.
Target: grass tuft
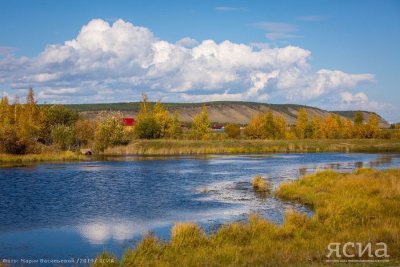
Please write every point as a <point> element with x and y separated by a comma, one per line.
<point>261,185</point>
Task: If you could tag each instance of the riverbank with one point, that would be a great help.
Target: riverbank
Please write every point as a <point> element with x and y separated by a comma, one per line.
<point>359,207</point>
<point>60,156</point>
<point>192,147</point>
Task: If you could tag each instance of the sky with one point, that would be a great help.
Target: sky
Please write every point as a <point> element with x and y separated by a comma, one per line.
<point>336,55</point>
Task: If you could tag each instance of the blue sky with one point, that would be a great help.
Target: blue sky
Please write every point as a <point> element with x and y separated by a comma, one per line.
<point>331,54</point>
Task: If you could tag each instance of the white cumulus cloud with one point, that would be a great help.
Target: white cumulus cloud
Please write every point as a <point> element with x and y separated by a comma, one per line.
<point>118,61</point>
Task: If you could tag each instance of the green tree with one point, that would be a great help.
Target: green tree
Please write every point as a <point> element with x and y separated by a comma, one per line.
<point>232,130</point>
<point>64,136</point>
<point>147,126</point>
<point>269,125</point>
<point>201,125</point>
<point>358,118</point>
<point>109,131</point>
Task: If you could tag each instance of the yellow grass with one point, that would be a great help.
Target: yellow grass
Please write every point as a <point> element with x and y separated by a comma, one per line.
<point>193,147</point>
<point>359,207</point>
<point>260,184</point>
<point>59,156</point>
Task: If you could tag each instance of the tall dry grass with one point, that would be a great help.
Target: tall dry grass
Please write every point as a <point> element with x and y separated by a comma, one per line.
<point>193,147</point>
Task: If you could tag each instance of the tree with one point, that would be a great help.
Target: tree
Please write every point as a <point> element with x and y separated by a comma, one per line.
<point>53,116</point>
<point>64,136</point>
<point>348,128</point>
<point>201,125</point>
<point>109,131</point>
<point>280,126</point>
<point>372,127</point>
<point>84,130</point>
<point>330,127</point>
<point>255,128</point>
<point>147,128</point>
<point>316,127</point>
<point>358,118</point>
<point>302,119</point>
<point>174,130</point>
<point>232,130</point>
<point>269,126</point>
<point>162,118</point>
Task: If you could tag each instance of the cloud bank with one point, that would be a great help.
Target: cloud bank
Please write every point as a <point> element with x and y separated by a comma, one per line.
<point>118,61</point>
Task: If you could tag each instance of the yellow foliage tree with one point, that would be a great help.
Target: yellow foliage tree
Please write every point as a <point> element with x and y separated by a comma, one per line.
<point>302,119</point>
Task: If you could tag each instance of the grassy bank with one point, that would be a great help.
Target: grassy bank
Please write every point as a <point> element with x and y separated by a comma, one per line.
<point>191,147</point>
<point>59,156</point>
<point>360,207</point>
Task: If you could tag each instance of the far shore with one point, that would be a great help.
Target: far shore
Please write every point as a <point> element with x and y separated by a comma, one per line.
<point>230,146</point>
<point>203,147</point>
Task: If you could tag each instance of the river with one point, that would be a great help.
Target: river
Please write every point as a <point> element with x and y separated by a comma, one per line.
<point>76,210</point>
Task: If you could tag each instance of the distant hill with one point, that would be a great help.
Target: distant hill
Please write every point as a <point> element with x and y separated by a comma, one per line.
<point>219,111</point>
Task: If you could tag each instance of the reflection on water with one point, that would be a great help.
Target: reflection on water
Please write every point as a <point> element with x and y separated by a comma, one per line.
<point>81,208</point>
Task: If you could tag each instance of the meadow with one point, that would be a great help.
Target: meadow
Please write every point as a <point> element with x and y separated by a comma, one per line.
<point>359,207</point>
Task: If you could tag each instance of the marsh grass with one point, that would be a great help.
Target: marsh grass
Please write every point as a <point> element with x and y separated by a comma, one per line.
<point>59,156</point>
<point>261,185</point>
<point>359,207</point>
<point>193,147</point>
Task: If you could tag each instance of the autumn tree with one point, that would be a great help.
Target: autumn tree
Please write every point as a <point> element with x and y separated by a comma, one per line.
<point>174,130</point>
<point>201,125</point>
<point>315,127</point>
<point>255,128</point>
<point>372,129</point>
<point>280,126</point>
<point>302,119</point>
<point>269,125</point>
<point>330,127</point>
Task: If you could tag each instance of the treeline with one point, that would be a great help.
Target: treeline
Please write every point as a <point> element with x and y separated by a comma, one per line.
<point>270,126</point>
<point>30,128</point>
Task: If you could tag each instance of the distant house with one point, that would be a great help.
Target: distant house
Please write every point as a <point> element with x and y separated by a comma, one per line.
<point>128,121</point>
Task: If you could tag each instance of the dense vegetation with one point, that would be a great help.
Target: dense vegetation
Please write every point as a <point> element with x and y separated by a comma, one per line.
<point>33,129</point>
<point>360,207</point>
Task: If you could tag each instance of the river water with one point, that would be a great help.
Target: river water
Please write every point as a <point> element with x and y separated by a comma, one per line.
<point>76,210</point>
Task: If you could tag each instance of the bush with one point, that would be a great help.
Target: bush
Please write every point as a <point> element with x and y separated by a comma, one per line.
<point>232,130</point>
<point>147,128</point>
<point>109,131</point>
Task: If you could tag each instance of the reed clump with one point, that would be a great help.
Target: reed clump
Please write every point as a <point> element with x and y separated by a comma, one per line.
<point>261,185</point>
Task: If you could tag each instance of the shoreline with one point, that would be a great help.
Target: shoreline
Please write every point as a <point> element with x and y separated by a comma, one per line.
<point>193,147</point>
<point>169,147</point>
<point>364,198</point>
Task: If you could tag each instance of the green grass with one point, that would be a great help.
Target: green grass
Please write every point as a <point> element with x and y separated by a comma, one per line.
<point>191,147</point>
<point>359,207</point>
<point>59,156</point>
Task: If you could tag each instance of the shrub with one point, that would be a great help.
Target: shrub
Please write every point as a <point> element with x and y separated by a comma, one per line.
<point>147,128</point>
<point>232,130</point>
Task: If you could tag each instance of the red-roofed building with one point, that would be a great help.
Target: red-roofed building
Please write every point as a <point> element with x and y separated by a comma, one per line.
<point>128,121</point>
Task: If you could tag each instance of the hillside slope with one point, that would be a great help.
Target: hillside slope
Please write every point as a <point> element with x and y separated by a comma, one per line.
<point>220,111</point>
